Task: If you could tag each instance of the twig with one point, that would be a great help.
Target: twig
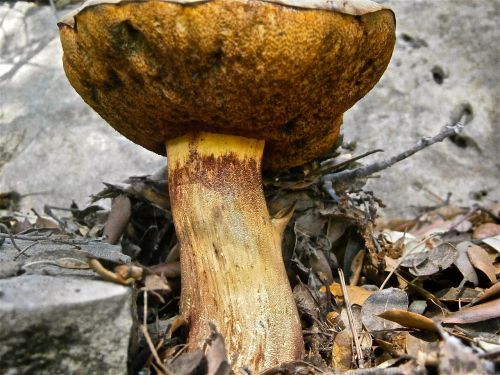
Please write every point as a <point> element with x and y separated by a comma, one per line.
<point>152,348</point>
<point>367,170</point>
<point>23,237</point>
<point>350,317</point>
<point>9,234</point>
<point>23,251</point>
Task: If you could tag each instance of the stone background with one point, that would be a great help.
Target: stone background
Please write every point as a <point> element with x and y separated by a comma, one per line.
<point>447,55</point>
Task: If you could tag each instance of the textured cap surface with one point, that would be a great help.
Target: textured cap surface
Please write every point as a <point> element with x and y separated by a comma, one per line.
<point>156,70</point>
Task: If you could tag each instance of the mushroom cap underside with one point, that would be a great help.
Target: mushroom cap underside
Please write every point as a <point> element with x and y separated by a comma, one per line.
<point>156,70</point>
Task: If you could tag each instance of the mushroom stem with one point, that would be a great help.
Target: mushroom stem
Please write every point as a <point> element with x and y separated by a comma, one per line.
<point>231,264</point>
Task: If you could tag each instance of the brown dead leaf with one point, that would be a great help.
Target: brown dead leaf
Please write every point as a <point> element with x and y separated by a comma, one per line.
<point>488,294</point>
<point>357,267</point>
<point>336,228</point>
<point>410,320</point>
<point>377,303</point>
<point>216,354</point>
<point>119,216</point>
<point>478,313</point>
<point>153,282</point>
<point>396,346</point>
<point>416,345</point>
<point>481,261</point>
<point>458,359</point>
<point>463,262</point>
<point>189,363</point>
<point>486,230</point>
<point>342,355</point>
<point>463,295</point>
<point>357,294</point>
<point>170,270</point>
<point>72,263</point>
<point>305,301</point>
<point>46,222</point>
<point>432,261</point>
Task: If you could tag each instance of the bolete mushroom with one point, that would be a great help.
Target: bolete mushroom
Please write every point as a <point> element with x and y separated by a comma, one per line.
<point>225,87</point>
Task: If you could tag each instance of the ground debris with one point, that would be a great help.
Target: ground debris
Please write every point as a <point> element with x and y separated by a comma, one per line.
<point>417,290</point>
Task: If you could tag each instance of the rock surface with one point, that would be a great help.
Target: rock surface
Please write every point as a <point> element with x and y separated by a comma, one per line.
<point>60,325</point>
<point>54,319</point>
<point>446,56</point>
<point>50,140</point>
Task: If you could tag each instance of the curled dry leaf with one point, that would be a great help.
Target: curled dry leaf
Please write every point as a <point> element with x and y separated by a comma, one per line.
<point>492,292</point>
<point>377,303</point>
<point>493,242</point>
<point>410,320</point>
<point>481,260</point>
<point>305,301</point>
<point>478,313</point>
<point>486,230</point>
<point>432,261</point>
<point>463,262</point>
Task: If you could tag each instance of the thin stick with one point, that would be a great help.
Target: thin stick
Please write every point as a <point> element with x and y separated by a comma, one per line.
<point>154,352</point>
<point>9,234</point>
<point>367,170</point>
<point>23,237</point>
<point>24,250</point>
<point>357,345</point>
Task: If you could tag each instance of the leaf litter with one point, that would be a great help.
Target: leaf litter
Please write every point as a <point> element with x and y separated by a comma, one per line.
<point>423,294</point>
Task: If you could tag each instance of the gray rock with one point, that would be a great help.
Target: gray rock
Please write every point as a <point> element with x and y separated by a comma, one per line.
<point>57,325</point>
<point>50,140</point>
<point>446,55</point>
<point>64,256</point>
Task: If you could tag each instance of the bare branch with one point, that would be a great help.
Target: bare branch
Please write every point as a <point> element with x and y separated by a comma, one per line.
<point>351,174</point>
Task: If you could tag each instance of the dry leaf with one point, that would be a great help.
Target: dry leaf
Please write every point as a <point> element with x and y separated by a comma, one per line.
<point>306,304</point>
<point>357,294</point>
<point>410,320</point>
<point>377,303</point>
<point>494,242</point>
<point>153,282</point>
<point>481,260</point>
<point>463,262</point>
<point>486,230</point>
<point>46,222</point>
<point>72,263</point>
<point>478,313</point>
<point>119,216</point>
<point>216,354</point>
<point>452,294</point>
<point>342,356</point>
<point>189,363</point>
<point>432,261</point>
<point>489,293</point>
<point>458,359</point>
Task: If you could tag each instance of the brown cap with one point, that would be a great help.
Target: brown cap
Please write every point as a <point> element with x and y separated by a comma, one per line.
<point>156,70</point>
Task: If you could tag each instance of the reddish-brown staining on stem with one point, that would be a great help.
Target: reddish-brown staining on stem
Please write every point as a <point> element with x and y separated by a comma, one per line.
<point>226,174</point>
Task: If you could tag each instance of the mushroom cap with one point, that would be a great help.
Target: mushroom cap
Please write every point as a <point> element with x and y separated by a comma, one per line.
<point>156,70</point>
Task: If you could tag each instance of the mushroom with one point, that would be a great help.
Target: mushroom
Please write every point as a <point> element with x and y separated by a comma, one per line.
<point>224,88</point>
